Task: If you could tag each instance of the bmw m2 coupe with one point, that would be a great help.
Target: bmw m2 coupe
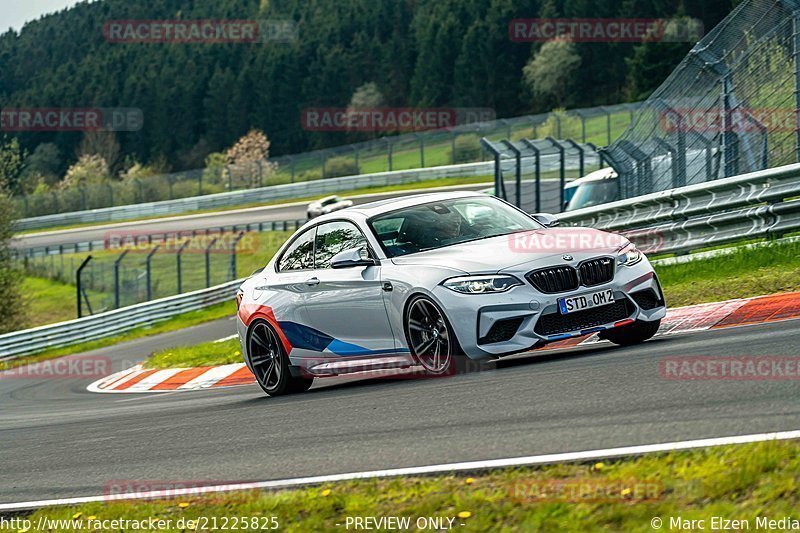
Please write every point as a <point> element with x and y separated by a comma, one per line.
<point>433,281</point>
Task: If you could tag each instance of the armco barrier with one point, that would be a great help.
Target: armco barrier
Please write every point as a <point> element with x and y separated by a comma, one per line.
<point>248,196</point>
<point>760,204</point>
<point>114,322</point>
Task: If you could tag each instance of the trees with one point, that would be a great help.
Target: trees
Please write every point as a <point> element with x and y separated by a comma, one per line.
<point>551,73</point>
<point>198,99</point>
<point>12,311</point>
<point>248,158</point>
<point>12,158</point>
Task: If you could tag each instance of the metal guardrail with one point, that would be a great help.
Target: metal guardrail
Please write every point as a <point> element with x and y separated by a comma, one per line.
<point>156,237</point>
<point>762,204</point>
<point>249,196</point>
<point>29,341</point>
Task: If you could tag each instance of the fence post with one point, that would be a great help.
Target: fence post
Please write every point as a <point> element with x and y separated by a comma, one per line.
<point>608,124</point>
<point>561,172</point>
<point>389,151</point>
<point>583,126</point>
<point>538,175</point>
<point>230,177</point>
<point>110,195</point>
<point>796,55</point>
<point>208,261</point>
<point>169,183</point>
<point>580,150</point>
<point>233,254</point>
<point>178,261</point>
<point>83,197</point>
<point>421,150</point>
<point>116,278</point>
<point>499,186</point>
<point>148,270</point>
<point>81,292</point>
<point>518,173</point>
<point>200,183</point>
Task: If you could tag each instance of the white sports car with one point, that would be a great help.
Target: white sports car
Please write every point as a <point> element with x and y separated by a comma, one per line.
<point>433,281</point>
<point>326,205</point>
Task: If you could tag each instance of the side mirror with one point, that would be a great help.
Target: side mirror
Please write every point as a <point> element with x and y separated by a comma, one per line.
<point>354,257</point>
<point>546,219</point>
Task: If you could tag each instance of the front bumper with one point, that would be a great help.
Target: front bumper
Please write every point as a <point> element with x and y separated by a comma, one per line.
<point>492,325</point>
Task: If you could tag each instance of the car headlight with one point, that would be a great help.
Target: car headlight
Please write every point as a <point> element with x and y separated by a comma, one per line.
<point>481,284</point>
<point>629,255</point>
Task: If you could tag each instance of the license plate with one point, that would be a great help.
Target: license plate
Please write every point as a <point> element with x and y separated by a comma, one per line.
<point>585,301</point>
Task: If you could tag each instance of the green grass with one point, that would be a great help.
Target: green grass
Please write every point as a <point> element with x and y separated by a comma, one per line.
<point>742,481</point>
<point>48,301</point>
<point>193,318</point>
<point>743,273</point>
<point>204,354</point>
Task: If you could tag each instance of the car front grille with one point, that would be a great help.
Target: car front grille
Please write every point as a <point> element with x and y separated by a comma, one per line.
<point>563,278</point>
<point>555,323</point>
<point>502,330</point>
<point>554,279</point>
<point>597,271</point>
<point>646,299</point>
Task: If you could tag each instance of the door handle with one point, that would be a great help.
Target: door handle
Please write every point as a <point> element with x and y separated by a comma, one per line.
<point>312,282</point>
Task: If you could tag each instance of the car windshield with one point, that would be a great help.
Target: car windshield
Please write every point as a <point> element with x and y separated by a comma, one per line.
<point>329,201</point>
<point>594,193</point>
<point>447,222</point>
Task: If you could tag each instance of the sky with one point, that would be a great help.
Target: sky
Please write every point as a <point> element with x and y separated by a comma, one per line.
<point>15,13</point>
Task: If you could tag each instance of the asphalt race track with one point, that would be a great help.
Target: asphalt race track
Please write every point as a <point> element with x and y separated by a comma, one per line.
<point>294,211</point>
<point>60,440</point>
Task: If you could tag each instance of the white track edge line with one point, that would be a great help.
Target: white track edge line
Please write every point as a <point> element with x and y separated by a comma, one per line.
<point>417,470</point>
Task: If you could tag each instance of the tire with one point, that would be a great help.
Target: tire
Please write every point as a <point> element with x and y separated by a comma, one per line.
<point>431,339</point>
<point>631,334</point>
<point>270,363</point>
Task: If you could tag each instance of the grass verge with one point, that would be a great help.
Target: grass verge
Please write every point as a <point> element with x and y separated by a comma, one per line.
<point>743,273</point>
<point>746,482</point>
<point>193,318</point>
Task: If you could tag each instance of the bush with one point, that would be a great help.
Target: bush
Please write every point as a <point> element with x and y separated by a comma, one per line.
<point>309,175</point>
<point>341,166</point>
<point>467,149</point>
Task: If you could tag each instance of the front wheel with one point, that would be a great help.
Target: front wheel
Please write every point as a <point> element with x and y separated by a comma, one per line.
<point>631,334</point>
<point>431,339</point>
<point>270,363</point>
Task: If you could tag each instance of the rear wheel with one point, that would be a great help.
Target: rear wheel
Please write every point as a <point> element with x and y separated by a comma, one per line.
<point>631,334</point>
<point>431,339</point>
<point>270,363</point>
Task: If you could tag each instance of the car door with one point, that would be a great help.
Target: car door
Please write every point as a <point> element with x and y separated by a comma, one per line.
<point>285,292</point>
<point>347,303</point>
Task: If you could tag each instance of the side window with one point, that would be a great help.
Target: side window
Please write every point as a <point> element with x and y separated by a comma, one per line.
<point>335,237</point>
<point>300,254</point>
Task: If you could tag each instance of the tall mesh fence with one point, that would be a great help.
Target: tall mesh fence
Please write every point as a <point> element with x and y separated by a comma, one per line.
<point>730,107</point>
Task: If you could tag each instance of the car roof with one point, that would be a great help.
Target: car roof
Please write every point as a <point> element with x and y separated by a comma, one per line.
<point>378,207</point>
<point>598,175</point>
<point>390,204</point>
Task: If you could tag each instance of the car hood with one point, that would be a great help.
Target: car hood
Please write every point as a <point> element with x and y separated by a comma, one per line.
<point>506,252</point>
